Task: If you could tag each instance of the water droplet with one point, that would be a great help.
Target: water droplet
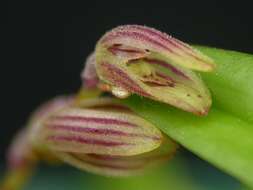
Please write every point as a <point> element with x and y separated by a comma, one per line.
<point>120,93</point>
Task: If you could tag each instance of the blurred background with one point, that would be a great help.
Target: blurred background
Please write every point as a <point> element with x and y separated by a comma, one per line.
<point>47,44</point>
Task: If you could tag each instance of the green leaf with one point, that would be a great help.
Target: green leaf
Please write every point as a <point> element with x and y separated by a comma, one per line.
<point>232,83</point>
<point>224,137</point>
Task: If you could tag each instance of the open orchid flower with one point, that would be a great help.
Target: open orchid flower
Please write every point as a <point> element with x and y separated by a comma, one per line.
<point>142,60</point>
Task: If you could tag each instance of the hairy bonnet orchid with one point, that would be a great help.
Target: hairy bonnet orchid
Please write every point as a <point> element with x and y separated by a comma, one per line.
<point>142,60</point>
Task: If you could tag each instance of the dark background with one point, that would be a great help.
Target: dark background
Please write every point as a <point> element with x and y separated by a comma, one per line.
<point>47,44</point>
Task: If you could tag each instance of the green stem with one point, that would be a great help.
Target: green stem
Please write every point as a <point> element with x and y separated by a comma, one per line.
<point>16,179</point>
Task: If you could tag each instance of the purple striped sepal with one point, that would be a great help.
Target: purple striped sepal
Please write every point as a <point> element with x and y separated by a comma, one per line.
<point>105,130</point>
<point>144,61</point>
<point>110,165</point>
<point>95,134</point>
<point>100,135</point>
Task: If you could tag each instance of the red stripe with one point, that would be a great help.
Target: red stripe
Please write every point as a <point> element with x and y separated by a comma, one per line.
<point>121,79</point>
<point>106,121</point>
<point>166,65</point>
<point>173,41</point>
<point>165,77</point>
<point>140,36</point>
<point>145,161</point>
<point>106,165</point>
<point>162,36</point>
<point>99,131</point>
<point>149,31</point>
<point>82,140</point>
<point>114,50</point>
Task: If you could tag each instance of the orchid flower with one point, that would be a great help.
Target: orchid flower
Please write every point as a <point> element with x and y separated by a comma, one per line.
<point>141,60</point>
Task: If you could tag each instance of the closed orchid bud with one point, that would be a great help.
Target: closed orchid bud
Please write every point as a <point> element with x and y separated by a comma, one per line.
<point>95,134</point>
<point>104,137</point>
<point>109,165</point>
<point>142,60</point>
<point>89,75</point>
<point>84,130</point>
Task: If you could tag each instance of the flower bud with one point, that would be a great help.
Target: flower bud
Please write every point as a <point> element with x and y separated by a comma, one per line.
<point>84,130</point>
<point>89,75</point>
<point>100,135</point>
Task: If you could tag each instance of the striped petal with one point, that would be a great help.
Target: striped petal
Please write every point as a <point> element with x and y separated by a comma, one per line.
<point>142,60</point>
<point>84,130</point>
<point>137,39</point>
<point>120,165</point>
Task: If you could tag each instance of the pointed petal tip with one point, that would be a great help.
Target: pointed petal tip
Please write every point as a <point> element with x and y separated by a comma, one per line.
<point>210,66</point>
<point>205,111</point>
<point>202,112</point>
